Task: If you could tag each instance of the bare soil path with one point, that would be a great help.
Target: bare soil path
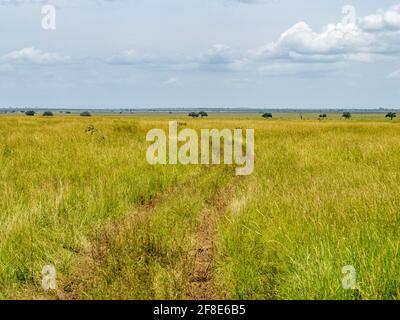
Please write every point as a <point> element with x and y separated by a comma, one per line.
<point>201,284</point>
<point>96,252</point>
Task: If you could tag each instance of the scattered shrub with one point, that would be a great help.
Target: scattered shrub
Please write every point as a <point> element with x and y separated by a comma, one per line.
<point>267,115</point>
<point>30,113</point>
<point>194,115</point>
<point>346,115</point>
<point>48,114</point>
<point>391,115</point>
<point>85,114</point>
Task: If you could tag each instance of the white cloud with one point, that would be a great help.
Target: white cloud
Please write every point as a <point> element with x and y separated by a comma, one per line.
<point>129,57</point>
<point>217,54</point>
<point>336,43</point>
<point>33,56</point>
<point>293,52</point>
<point>383,20</point>
<point>395,75</point>
<point>220,57</point>
<point>300,43</point>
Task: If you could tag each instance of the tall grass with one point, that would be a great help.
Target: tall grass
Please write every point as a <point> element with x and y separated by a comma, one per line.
<point>324,195</point>
<point>61,183</point>
<point>149,258</point>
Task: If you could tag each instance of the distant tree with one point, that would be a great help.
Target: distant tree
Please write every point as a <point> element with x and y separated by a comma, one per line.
<point>391,115</point>
<point>85,114</point>
<point>68,112</point>
<point>267,115</point>
<point>203,114</point>
<point>194,114</point>
<point>346,115</point>
<point>323,116</point>
<point>30,113</point>
<point>48,114</point>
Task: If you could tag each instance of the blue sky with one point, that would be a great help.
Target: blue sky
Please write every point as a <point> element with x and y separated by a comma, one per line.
<point>200,53</point>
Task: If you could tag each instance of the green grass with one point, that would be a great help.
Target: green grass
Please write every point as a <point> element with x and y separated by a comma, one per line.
<point>60,185</point>
<point>324,194</point>
<point>149,259</point>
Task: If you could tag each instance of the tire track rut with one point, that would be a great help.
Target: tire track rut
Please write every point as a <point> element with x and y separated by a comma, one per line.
<point>201,281</point>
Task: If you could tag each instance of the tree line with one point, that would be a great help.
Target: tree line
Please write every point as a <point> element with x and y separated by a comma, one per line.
<point>346,115</point>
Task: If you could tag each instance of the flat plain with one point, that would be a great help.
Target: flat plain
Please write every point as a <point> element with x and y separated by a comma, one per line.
<point>77,193</point>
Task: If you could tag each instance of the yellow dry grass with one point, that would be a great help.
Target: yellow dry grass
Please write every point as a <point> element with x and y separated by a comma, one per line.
<point>324,194</point>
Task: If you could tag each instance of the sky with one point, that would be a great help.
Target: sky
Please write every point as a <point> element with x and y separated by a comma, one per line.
<point>200,53</point>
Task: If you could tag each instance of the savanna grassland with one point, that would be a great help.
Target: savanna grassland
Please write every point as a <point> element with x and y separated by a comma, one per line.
<point>78,193</point>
